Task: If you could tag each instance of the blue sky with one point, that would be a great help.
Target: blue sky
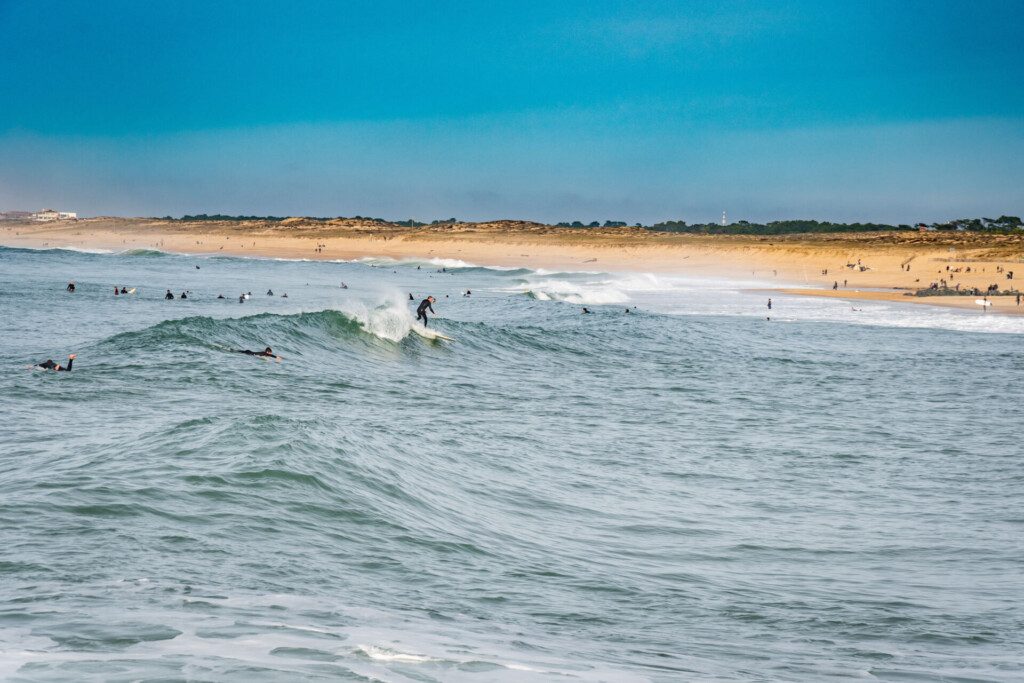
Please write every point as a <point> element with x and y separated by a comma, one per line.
<point>890,111</point>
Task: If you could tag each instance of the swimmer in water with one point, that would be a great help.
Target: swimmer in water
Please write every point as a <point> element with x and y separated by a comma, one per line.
<point>71,287</point>
<point>168,295</point>
<point>265,353</point>
<point>586,310</point>
<point>270,292</point>
<point>57,367</point>
<point>421,310</point>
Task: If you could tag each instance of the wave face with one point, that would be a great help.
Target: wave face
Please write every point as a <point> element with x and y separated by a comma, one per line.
<point>683,492</point>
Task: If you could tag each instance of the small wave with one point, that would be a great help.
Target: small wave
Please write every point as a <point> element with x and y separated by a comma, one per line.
<point>143,252</point>
<point>613,290</point>
<point>387,655</point>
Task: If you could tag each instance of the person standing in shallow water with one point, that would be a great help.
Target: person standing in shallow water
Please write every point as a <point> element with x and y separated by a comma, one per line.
<point>769,304</point>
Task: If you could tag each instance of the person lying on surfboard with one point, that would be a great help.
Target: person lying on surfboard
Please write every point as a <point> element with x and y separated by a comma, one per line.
<point>265,353</point>
<point>57,367</point>
<point>421,311</point>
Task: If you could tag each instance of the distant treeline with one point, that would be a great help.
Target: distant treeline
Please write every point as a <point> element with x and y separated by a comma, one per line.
<point>773,228</point>
<point>221,217</point>
<point>1001,224</point>
<point>596,224</point>
<point>410,223</point>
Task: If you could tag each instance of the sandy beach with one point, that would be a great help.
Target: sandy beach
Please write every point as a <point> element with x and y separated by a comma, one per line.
<point>871,266</point>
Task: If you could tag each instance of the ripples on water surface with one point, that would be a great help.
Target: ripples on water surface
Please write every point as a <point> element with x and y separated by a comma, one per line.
<point>686,492</point>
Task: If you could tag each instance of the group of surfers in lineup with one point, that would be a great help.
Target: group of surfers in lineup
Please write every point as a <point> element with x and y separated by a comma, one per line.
<point>421,314</point>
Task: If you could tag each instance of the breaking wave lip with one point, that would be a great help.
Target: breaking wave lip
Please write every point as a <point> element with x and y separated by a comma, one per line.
<point>389,655</point>
<point>612,290</point>
<point>77,250</point>
<point>388,319</point>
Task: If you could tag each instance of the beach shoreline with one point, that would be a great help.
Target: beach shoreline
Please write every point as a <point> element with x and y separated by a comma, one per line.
<point>862,266</point>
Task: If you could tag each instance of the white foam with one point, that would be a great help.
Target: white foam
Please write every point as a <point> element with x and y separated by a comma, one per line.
<point>611,289</point>
<point>389,319</point>
<point>386,655</point>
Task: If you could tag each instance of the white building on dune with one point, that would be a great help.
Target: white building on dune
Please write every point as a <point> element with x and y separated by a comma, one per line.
<point>52,215</point>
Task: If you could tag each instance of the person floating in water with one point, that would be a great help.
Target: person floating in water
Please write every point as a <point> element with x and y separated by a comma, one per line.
<point>124,290</point>
<point>285,295</point>
<point>265,353</point>
<point>411,297</point>
<point>220,296</point>
<point>270,292</point>
<point>57,367</point>
<point>344,286</point>
<point>183,296</point>
<point>469,292</point>
<point>71,287</point>
<point>168,295</point>
<point>421,310</point>
<point>586,310</point>
<point>241,298</point>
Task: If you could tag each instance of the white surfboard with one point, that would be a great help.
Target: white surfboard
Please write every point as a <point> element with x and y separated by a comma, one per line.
<point>428,333</point>
<point>982,302</point>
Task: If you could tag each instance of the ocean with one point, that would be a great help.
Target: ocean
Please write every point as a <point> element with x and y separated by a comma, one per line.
<point>684,491</point>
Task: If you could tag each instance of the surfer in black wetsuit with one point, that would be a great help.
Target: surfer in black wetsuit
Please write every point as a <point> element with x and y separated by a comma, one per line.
<point>71,287</point>
<point>421,311</point>
<point>168,295</point>
<point>265,353</point>
<point>57,367</point>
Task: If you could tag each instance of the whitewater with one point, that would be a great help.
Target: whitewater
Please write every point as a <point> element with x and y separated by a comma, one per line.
<point>672,487</point>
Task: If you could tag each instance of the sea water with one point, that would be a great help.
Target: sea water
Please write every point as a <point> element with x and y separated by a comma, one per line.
<point>687,491</point>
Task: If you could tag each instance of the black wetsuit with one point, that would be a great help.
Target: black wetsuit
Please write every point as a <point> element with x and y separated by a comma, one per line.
<point>50,365</point>
<point>168,295</point>
<point>262,354</point>
<point>421,311</point>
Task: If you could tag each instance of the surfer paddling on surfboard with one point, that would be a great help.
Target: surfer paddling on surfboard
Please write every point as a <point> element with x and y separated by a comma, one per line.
<point>265,353</point>
<point>421,311</point>
<point>57,367</point>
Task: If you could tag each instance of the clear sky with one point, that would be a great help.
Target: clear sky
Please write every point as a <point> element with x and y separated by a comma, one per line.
<point>636,111</point>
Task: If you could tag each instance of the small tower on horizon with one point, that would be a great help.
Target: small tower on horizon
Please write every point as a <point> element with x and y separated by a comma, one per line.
<point>723,218</point>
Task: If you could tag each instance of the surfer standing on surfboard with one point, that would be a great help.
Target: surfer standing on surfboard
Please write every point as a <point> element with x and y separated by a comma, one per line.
<point>421,310</point>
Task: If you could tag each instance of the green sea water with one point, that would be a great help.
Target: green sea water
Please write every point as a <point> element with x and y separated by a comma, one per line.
<point>687,491</point>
